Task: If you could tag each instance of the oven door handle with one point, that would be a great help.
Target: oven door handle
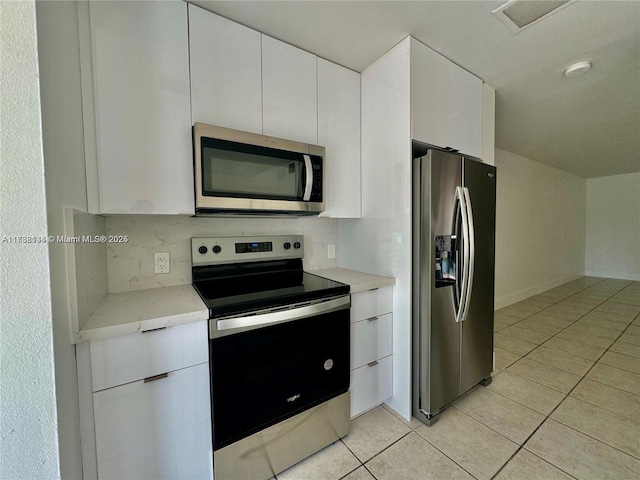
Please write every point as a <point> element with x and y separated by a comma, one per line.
<point>231,325</point>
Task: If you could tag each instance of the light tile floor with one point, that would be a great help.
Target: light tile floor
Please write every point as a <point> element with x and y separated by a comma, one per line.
<point>564,402</point>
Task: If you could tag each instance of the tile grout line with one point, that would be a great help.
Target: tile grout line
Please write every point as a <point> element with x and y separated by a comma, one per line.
<point>548,416</point>
<point>565,328</point>
<point>567,395</point>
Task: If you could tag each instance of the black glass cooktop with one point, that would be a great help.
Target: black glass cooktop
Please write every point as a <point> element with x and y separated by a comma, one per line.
<point>239,288</point>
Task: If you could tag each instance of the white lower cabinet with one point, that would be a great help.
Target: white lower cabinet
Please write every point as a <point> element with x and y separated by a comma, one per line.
<point>156,429</point>
<point>371,385</point>
<point>371,349</point>
<point>372,340</point>
<point>370,303</point>
<point>150,400</point>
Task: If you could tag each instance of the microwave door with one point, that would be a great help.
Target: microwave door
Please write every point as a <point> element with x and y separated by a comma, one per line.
<point>238,177</point>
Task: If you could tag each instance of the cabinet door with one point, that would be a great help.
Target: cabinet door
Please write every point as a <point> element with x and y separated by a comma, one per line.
<point>159,429</point>
<point>488,124</point>
<point>339,133</point>
<point>140,55</point>
<point>465,132</point>
<point>127,358</point>
<point>371,385</point>
<point>430,95</point>
<point>371,303</point>
<point>226,78</point>
<point>289,92</point>
<point>371,340</point>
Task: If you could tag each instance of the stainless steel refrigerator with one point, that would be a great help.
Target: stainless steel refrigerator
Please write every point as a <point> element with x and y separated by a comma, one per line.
<point>454,200</point>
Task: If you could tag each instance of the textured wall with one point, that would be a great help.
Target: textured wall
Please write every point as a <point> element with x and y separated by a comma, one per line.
<point>28,426</point>
<point>130,264</point>
<point>540,227</point>
<point>613,226</point>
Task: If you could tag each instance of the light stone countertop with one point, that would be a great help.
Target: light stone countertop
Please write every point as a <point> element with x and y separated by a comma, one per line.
<point>130,312</point>
<point>358,281</point>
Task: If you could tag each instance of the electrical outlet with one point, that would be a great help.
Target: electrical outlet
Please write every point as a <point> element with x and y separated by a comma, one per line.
<point>331,250</point>
<point>162,262</point>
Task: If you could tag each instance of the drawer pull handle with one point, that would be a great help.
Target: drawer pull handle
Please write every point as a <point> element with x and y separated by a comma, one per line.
<point>372,289</point>
<point>156,377</point>
<point>153,329</point>
<point>372,364</point>
<point>372,319</point>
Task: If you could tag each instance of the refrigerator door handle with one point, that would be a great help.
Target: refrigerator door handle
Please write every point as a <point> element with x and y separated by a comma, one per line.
<point>472,254</point>
<point>465,246</point>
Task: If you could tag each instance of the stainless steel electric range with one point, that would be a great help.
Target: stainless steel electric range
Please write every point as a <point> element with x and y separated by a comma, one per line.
<point>279,353</point>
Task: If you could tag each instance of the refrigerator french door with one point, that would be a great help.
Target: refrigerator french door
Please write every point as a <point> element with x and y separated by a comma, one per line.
<point>454,201</point>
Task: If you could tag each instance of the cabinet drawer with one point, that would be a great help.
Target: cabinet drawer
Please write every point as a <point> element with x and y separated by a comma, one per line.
<point>370,340</point>
<point>124,359</point>
<point>371,385</point>
<point>371,303</point>
<point>159,429</point>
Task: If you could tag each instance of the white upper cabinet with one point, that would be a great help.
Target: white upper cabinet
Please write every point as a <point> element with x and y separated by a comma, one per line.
<point>488,124</point>
<point>446,102</point>
<point>140,67</point>
<point>465,132</point>
<point>430,95</point>
<point>339,133</point>
<point>289,92</point>
<point>226,77</point>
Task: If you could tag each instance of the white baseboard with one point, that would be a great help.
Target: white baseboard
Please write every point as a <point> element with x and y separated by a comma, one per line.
<point>612,274</point>
<point>507,300</point>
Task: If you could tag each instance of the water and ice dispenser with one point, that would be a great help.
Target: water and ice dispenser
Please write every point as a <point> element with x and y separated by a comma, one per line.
<point>445,261</point>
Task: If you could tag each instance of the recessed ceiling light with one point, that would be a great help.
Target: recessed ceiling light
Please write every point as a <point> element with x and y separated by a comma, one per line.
<point>577,69</point>
<point>521,14</point>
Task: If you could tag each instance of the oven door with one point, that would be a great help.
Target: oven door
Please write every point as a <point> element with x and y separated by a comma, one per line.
<point>242,171</point>
<point>267,368</point>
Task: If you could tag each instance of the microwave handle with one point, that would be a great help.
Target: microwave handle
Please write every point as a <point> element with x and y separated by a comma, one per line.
<point>307,189</point>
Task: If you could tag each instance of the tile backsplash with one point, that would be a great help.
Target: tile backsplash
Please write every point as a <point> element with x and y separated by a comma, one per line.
<point>130,264</point>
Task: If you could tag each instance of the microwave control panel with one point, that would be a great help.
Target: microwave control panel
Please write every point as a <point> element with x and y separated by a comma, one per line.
<point>316,191</point>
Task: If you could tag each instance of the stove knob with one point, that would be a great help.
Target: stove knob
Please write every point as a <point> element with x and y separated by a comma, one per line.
<point>287,246</point>
<point>296,245</point>
<point>216,249</point>
<point>203,249</point>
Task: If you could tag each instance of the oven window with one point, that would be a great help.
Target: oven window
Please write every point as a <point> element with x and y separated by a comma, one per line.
<point>231,169</point>
<point>264,376</point>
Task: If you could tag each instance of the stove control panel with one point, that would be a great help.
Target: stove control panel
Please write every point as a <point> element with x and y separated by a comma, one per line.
<point>221,250</point>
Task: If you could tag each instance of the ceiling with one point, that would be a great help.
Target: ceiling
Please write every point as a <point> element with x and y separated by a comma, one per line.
<point>588,125</point>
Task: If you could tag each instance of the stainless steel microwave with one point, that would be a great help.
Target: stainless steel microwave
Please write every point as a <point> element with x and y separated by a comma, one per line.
<point>240,173</point>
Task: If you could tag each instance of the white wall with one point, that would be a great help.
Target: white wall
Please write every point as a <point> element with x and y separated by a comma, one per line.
<point>613,227</point>
<point>540,227</point>
<point>380,242</point>
<point>28,428</point>
<point>65,187</point>
<point>130,264</point>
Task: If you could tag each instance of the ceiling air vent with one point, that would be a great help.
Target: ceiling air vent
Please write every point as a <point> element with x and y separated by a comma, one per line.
<point>521,14</point>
